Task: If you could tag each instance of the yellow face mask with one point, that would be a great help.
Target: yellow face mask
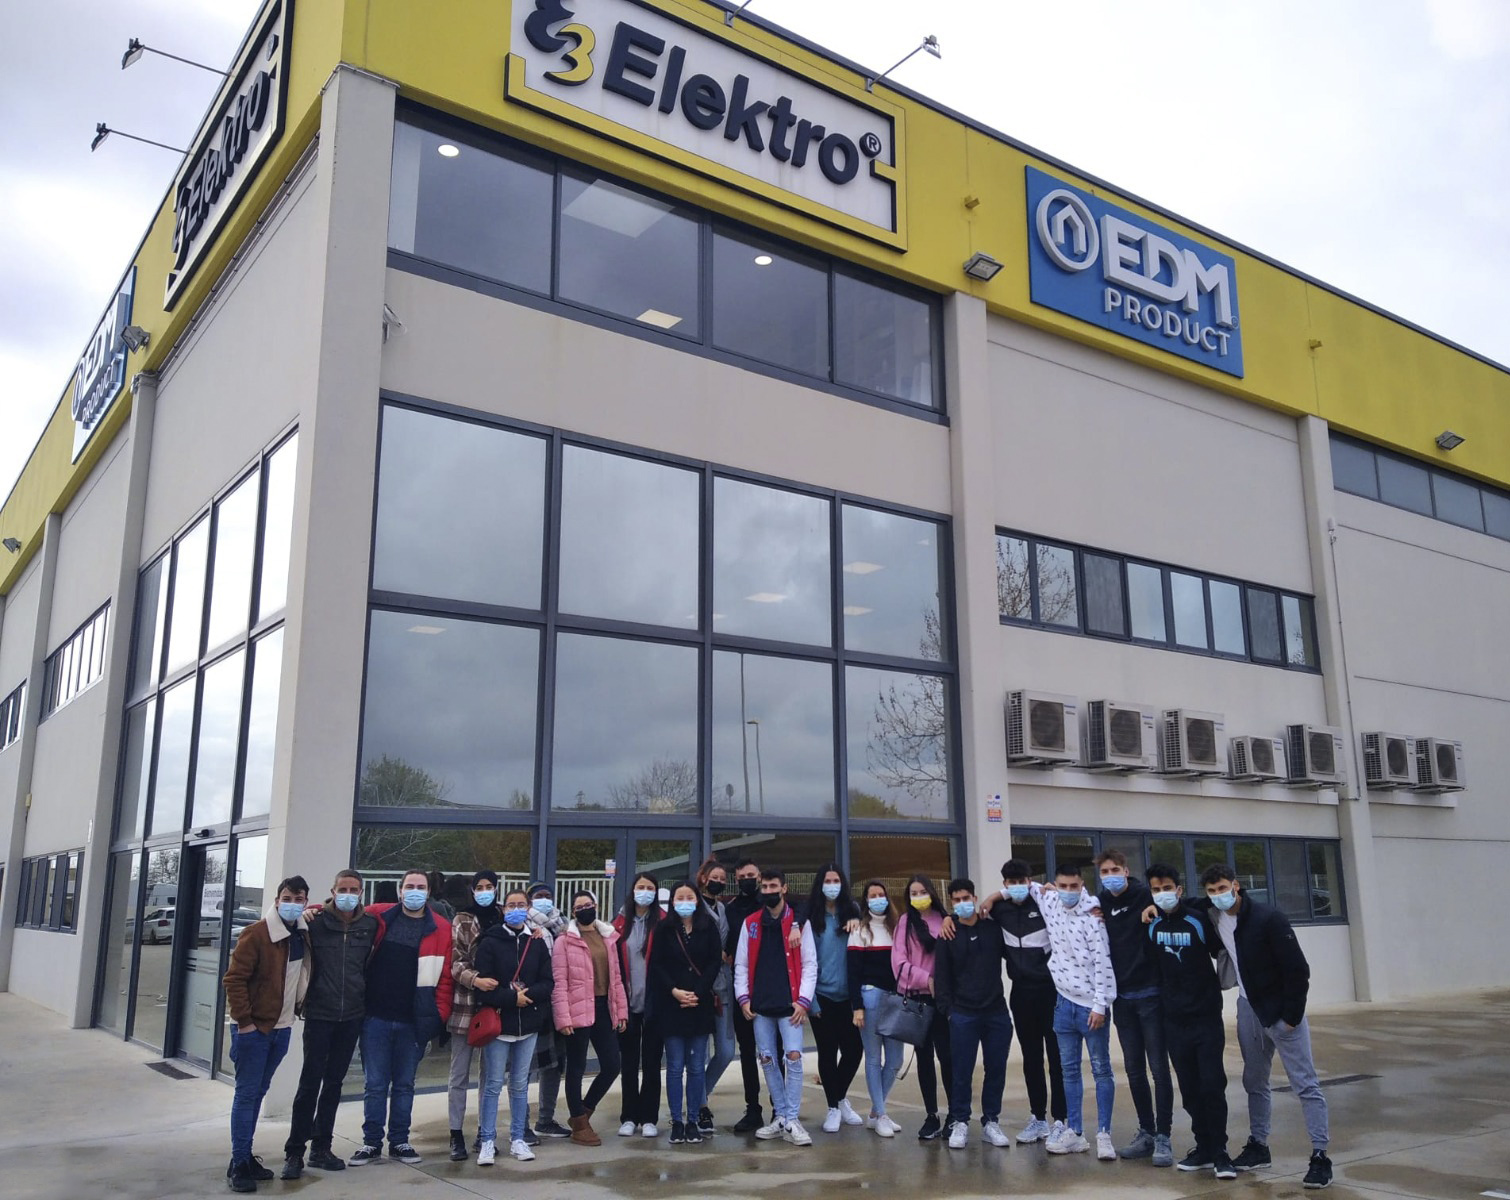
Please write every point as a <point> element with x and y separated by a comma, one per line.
<point>921,903</point>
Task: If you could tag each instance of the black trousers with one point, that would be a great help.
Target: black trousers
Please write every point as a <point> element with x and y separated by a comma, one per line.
<point>328,1047</point>
<point>937,1045</point>
<point>640,1075</point>
<point>605,1044</point>
<point>840,1047</point>
<point>749,1060</point>
<point>1033,1019</point>
<point>1195,1052</point>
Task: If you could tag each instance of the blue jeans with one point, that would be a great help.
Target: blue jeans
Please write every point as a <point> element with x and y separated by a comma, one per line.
<point>883,1055</point>
<point>390,1057</point>
<point>990,1033</point>
<point>724,1048</point>
<point>1072,1027</point>
<point>778,1044</point>
<point>685,1055</point>
<point>256,1056</point>
<point>499,1058</point>
<point>1140,1029</point>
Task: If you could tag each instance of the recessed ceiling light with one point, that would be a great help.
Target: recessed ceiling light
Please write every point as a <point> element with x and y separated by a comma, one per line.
<point>767,597</point>
<point>862,568</point>
<point>856,610</point>
<point>763,260</point>
<point>446,150</point>
<point>618,209</point>
<point>661,320</point>
<point>427,629</point>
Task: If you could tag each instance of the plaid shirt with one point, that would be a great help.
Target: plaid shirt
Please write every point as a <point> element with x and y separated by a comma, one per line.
<point>464,934</point>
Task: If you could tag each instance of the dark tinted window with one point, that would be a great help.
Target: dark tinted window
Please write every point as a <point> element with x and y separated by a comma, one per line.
<point>1404,485</point>
<point>898,745</point>
<point>190,557</point>
<point>1497,514</point>
<point>892,585</point>
<point>883,340</point>
<point>1263,625</point>
<point>277,527</point>
<point>1103,595</point>
<point>773,736</point>
<point>771,563</point>
<point>219,737</point>
<point>769,304</point>
<point>1353,469</point>
<point>261,725</point>
<point>1457,501</point>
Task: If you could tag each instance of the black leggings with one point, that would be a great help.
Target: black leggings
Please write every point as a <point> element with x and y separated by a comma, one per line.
<point>605,1044</point>
<point>840,1048</point>
<point>937,1044</point>
<point>640,1081</point>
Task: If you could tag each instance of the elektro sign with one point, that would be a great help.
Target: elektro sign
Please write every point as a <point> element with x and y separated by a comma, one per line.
<point>1102,264</point>
<point>629,72</point>
<point>244,125</point>
<point>102,367</point>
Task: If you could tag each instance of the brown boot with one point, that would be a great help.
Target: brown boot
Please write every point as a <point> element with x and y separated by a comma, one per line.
<point>582,1131</point>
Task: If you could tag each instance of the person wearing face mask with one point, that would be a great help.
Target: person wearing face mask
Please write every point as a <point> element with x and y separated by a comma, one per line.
<point>742,905</point>
<point>590,1007</point>
<point>871,975</point>
<point>520,965</point>
<point>548,922</point>
<point>684,964</point>
<point>829,916</point>
<point>712,883</point>
<point>264,987</point>
<point>469,924</point>
<point>1137,1012</point>
<point>341,934</point>
<point>640,1047</point>
<point>409,989</point>
<point>1180,947</point>
<point>912,958</point>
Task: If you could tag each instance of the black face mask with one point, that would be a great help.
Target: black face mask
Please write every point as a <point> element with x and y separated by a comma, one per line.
<point>771,899</point>
<point>586,916</point>
<point>748,887</point>
<point>714,888</point>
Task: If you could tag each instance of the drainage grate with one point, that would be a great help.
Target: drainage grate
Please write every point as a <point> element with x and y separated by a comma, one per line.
<point>169,1070</point>
<point>1334,1082</point>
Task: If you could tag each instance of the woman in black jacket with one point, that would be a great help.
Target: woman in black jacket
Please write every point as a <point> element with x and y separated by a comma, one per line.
<point>521,963</point>
<point>684,962</point>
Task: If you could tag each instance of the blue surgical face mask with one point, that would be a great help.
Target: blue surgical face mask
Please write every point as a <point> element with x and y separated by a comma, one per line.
<point>414,899</point>
<point>290,911</point>
<point>965,909</point>
<point>1167,901</point>
<point>514,918</point>
<point>645,897</point>
<point>686,908</point>
<point>1114,883</point>
<point>484,899</point>
<point>1224,900</point>
<point>878,904</point>
<point>347,901</point>
<point>1017,892</point>
<point>542,904</point>
<point>1069,899</point>
<point>831,890</point>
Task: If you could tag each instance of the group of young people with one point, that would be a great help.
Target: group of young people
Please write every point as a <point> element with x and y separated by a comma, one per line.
<point>529,990</point>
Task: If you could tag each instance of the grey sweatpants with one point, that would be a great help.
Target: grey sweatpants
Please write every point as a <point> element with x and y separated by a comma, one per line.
<point>1258,1045</point>
<point>461,1074</point>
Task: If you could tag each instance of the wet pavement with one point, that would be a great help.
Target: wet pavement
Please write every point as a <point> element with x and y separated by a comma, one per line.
<point>82,1115</point>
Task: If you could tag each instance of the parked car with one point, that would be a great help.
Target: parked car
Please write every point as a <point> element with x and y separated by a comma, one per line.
<point>240,919</point>
<point>157,925</point>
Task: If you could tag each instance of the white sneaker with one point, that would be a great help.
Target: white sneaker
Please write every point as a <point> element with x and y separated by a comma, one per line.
<point>885,1126</point>
<point>649,1131</point>
<point>485,1153</point>
<point>959,1134</point>
<point>849,1115</point>
<point>1069,1142</point>
<point>1105,1151</point>
<point>797,1135</point>
<point>769,1133</point>
<point>1056,1133</point>
<point>832,1122</point>
<point>520,1149</point>
<point>628,1129</point>
<point>1034,1131</point>
<point>992,1132</point>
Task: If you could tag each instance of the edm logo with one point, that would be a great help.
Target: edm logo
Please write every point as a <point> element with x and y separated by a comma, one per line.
<point>1102,264</point>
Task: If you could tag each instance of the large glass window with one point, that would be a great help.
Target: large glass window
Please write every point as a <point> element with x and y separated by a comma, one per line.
<point>1058,598</point>
<point>277,527</point>
<point>773,736</point>
<point>798,854</point>
<point>450,715</point>
<point>1353,469</point>
<point>629,539</point>
<point>1103,595</point>
<point>1263,625</point>
<point>1014,582</point>
<point>895,859</point>
<point>1145,596</point>
<point>898,743</point>
<point>235,548</point>
<point>1404,485</point>
<point>151,607</point>
<point>769,304</point>
<point>1497,514</point>
<point>1300,637</point>
<point>883,340</point>
<point>892,574</point>
<point>1227,618</point>
<point>460,510</point>
<point>219,740</point>
<point>157,930</point>
<point>1188,596</point>
<point>120,930</point>
<point>135,770</point>
<point>190,557</point>
<point>1380,475</point>
<point>262,725</point>
<point>1457,501</point>
<point>771,564</point>
<point>171,787</point>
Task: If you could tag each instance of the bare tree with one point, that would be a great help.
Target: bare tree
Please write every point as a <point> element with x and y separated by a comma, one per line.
<point>666,785</point>
<point>1014,583</point>
<point>907,746</point>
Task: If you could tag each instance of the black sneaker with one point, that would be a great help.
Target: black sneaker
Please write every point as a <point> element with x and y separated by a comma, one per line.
<point>1254,1156</point>
<point>458,1146</point>
<point>931,1128</point>
<point>750,1122</point>
<point>293,1167</point>
<point>1320,1174</point>
<point>365,1155</point>
<point>1199,1159</point>
<point>705,1124</point>
<point>259,1172</point>
<point>678,1133</point>
<point>549,1129</point>
<point>405,1153</point>
<point>477,1142</point>
<point>693,1136</point>
<point>324,1160</point>
<point>240,1177</point>
<point>531,1138</point>
<point>1223,1165</point>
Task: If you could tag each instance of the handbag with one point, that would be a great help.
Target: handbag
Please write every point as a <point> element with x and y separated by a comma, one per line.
<point>906,1018</point>
<point>487,1022</point>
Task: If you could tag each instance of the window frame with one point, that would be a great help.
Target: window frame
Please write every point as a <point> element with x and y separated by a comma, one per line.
<point>75,665</point>
<point>44,891</point>
<point>13,716</point>
<point>1434,471</point>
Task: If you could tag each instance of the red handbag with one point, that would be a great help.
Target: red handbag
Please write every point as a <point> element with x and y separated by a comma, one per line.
<point>486,1024</point>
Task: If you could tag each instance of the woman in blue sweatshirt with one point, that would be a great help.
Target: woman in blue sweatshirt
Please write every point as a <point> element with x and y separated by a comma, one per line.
<point>832,913</point>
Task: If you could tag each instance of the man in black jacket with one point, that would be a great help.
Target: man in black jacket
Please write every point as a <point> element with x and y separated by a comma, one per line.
<point>1273,978</point>
<point>1137,1011</point>
<point>340,941</point>
<point>738,909</point>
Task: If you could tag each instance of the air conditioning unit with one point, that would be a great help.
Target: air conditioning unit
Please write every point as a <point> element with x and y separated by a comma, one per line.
<point>1192,743</point>
<point>1120,737</point>
<point>1439,765</point>
<point>1389,761</point>
<point>1255,759</point>
<point>1316,755</point>
<point>1043,729</point>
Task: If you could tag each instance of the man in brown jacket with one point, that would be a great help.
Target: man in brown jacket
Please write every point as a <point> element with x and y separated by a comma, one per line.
<point>263,986</point>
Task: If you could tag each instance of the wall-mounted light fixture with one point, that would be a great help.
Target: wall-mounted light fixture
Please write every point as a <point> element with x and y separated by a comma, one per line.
<point>102,131</point>
<point>135,337</point>
<point>982,266</point>
<point>12,544</point>
<point>1448,440</point>
<point>730,14</point>
<point>135,49</point>
<point>929,43</point>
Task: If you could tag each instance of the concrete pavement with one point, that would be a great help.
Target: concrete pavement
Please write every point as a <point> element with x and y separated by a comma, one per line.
<point>82,1116</point>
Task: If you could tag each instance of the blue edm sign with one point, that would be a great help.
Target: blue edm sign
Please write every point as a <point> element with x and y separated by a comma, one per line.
<point>1104,265</point>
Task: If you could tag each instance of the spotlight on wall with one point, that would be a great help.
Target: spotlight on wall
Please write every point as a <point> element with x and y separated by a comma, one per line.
<point>135,49</point>
<point>135,337</point>
<point>982,266</point>
<point>730,14</point>
<point>929,43</point>
<point>1448,440</point>
<point>102,131</point>
<point>12,544</point>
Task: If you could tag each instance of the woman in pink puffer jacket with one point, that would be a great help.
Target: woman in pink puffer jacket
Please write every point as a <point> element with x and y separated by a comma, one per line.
<point>590,1007</point>
<point>912,960</point>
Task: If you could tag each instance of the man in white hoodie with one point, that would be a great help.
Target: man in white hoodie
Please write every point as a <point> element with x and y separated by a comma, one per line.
<point>1081,964</point>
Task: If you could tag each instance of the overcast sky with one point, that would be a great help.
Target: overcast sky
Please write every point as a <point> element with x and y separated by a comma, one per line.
<point>1364,142</point>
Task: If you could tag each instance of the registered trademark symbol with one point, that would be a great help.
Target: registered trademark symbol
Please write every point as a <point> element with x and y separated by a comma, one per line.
<point>870,145</point>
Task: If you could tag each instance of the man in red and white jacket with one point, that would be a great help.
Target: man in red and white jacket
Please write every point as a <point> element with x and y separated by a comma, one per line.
<point>774,982</point>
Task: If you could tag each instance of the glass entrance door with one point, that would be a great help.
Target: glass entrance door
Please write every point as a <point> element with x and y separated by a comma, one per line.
<point>606,864</point>
<point>202,926</point>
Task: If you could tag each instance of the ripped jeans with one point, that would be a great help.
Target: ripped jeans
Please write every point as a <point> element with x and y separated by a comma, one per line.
<point>783,1075</point>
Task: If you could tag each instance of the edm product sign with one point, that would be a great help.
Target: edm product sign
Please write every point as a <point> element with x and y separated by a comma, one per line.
<point>619,67</point>
<point>102,367</point>
<point>1105,265</point>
